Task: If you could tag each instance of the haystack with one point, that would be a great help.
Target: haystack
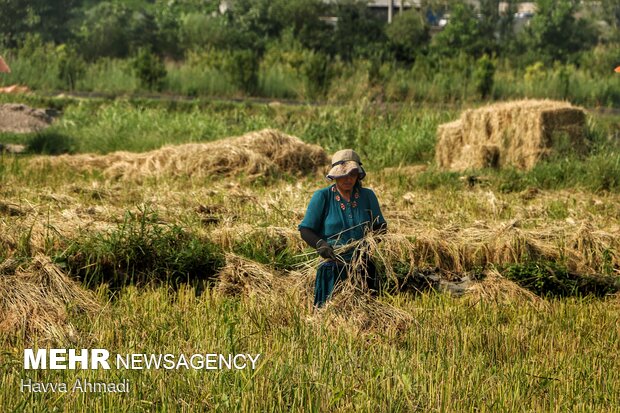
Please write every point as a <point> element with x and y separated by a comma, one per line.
<point>254,154</point>
<point>517,134</point>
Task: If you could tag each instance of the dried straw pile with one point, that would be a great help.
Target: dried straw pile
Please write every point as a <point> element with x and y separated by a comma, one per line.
<point>497,289</point>
<point>35,299</point>
<point>515,134</point>
<point>254,154</point>
<point>241,276</point>
<point>453,249</point>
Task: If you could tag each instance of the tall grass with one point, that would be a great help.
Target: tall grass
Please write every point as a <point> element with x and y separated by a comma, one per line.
<point>194,80</point>
<point>283,74</point>
<point>109,76</point>
<point>482,357</point>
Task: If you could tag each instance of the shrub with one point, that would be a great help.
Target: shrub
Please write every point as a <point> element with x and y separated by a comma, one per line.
<point>71,66</point>
<point>548,278</point>
<point>483,76</point>
<point>242,65</point>
<point>51,143</point>
<point>150,70</point>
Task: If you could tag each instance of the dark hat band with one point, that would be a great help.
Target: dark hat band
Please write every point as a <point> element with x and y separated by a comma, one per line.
<point>345,160</point>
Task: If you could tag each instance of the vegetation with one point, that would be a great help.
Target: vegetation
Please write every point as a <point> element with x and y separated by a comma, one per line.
<point>458,357</point>
<point>287,49</point>
<point>154,254</point>
<point>502,286</point>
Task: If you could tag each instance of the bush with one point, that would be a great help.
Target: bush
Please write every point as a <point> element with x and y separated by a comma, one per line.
<point>71,66</point>
<point>141,250</point>
<point>242,65</point>
<point>51,143</point>
<point>547,278</point>
<point>150,70</point>
<point>483,76</point>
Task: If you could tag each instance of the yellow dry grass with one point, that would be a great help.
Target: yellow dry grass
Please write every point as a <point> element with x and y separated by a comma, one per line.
<point>255,154</point>
<point>36,299</point>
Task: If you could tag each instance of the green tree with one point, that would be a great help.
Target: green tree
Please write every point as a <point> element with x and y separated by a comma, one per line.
<point>266,20</point>
<point>611,13</point>
<point>407,35</point>
<point>555,34</point>
<point>149,69</point>
<point>105,31</point>
<point>462,34</point>
<point>51,19</point>
<point>358,32</point>
<point>113,29</point>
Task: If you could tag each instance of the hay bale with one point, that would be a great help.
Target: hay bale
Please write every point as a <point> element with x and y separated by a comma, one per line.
<point>255,154</point>
<point>35,298</point>
<point>449,136</point>
<point>518,134</point>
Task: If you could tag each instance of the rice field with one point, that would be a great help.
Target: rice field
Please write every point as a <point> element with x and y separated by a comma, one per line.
<point>501,287</point>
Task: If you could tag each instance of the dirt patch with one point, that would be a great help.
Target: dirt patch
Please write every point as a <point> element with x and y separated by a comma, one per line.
<point>20,118</point>
<point>518,134</point>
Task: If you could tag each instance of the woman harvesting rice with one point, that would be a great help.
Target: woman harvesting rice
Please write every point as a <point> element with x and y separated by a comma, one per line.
<point>337,215</point>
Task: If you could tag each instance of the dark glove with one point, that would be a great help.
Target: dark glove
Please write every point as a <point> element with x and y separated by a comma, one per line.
<point>379,229</point>
<point>325,250</point>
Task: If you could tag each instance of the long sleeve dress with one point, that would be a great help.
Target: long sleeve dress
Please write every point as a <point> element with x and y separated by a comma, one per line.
<point>338,221</point>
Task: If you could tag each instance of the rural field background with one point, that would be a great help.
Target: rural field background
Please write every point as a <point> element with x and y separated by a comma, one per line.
<point>173,262</point>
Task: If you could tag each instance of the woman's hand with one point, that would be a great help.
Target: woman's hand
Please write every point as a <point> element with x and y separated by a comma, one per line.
<point>325,250</point>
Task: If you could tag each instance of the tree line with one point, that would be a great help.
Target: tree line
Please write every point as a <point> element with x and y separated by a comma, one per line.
<point>240,34</point>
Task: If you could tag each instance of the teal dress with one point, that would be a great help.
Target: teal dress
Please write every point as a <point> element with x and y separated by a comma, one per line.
<point>338,222</point>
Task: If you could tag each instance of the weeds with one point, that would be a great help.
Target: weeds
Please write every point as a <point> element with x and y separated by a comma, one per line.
<point>141,250</point>
<point>551,279</point>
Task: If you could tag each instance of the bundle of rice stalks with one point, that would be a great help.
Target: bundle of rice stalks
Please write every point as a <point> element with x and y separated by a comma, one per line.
<point>458,250</point>
<point>36,299</point>
<point>497,289</point>
<point>255,154</point>
<point>241,276</point>
<point>353,305</point>
<point>596,249</point>
<point>516,133</point>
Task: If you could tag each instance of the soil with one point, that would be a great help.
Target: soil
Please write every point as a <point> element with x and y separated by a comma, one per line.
<point>20,118</point>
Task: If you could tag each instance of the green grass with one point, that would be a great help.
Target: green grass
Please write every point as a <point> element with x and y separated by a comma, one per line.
<point>436,81</point>
<point>384,136</point>
<point>141,250</point>
<point>458,357</point>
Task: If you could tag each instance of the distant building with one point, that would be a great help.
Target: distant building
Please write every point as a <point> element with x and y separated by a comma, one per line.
<point>383,9</point>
